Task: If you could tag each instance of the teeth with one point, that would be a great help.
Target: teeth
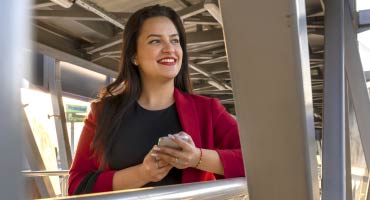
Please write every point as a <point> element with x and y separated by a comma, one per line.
<point>170,60</point>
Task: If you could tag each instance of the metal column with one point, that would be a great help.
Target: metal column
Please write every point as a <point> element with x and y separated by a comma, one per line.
<point>348,144</point>
<point>269,61</point>
<point>14,43</point>
<point>357,84</point>
<point>333,147</point>
<point>55,88</point>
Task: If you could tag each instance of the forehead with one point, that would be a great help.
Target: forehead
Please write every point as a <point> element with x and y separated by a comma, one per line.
<point>158,25</point>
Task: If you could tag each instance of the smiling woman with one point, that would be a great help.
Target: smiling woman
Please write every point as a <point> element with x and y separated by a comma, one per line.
<point>151,98</point>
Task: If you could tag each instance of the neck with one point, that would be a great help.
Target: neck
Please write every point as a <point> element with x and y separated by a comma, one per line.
<point>157,96</point>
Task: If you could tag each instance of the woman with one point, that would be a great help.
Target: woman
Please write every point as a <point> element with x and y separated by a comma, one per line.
<point>149,99</point>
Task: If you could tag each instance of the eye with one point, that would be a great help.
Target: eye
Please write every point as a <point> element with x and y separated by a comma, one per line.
<point>154,41</point>
<point>175,41</point>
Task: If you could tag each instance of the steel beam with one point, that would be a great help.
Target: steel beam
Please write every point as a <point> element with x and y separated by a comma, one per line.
<point>201,21</point>
<point>55,87</point>
<point>347,139</point>
<point>333,147</point>
<point>191,11</point>
<point>204,37</point>
<point>67,57</point>
<point>211,77</point>
<point>184,14</point>
<point>90,6</point>
<point>80,15</point>
<point>116,40</point>
<point>14,43</point>
<point>364,17</point>
<point>212,38</point>
<point>43,4</point>
<point>275,117</point>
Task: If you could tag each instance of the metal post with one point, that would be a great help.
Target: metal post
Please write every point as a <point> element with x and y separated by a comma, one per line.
<point>348,144</point>
<point>334,162</point>
<point>357,84</point>
<point>270,69</point>
<point>55,89</point>
<point>14,43</point>
<point>72,138</point>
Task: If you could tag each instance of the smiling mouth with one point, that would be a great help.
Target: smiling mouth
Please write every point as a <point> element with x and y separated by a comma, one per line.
<point>167,61</point>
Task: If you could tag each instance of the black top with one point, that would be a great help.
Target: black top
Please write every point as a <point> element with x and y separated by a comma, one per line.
<point>139,132</point>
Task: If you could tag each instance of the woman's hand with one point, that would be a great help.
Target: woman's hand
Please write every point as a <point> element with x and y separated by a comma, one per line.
<point>153,168</point>
<point>187,157</point>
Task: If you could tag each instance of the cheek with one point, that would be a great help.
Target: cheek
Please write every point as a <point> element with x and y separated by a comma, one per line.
<point>179,53</point>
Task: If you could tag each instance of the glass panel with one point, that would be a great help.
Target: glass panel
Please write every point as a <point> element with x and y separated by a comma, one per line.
<point>40,116</point>
<point>76,111</point>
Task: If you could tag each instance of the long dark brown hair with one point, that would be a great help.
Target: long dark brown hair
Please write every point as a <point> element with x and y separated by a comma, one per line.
<point>120,95</point>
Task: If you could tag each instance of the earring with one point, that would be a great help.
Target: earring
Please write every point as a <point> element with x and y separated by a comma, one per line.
<point>134,61</point>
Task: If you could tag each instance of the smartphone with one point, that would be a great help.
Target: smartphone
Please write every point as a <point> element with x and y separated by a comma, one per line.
<point>168,142</point>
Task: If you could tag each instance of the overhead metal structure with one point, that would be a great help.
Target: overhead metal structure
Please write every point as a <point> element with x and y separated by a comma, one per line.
<point>277,64</point>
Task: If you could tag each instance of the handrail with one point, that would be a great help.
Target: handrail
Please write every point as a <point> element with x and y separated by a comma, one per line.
<point>63,173</point>
<point>220,189</point>
<point>29,173</point>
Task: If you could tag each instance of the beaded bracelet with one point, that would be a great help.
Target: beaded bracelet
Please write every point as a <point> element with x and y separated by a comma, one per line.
<point>200,158</point>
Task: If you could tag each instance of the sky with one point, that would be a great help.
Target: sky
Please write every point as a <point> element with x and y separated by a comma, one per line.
<point>364,38</point>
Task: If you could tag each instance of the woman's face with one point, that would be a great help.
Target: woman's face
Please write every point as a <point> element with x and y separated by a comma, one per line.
<point>159,54</point>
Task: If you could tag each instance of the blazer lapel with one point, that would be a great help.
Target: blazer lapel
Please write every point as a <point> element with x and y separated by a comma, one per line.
<point>189,122</point>
<point>188,116</point>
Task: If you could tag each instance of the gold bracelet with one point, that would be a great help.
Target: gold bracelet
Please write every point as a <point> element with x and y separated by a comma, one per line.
<point>200,158</point>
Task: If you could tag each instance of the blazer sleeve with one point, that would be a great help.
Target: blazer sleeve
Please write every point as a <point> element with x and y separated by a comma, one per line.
<point>84,162</point>
<point>227,142</point>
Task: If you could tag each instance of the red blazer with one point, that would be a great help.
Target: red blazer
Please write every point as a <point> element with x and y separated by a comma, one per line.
<point>204,119</point>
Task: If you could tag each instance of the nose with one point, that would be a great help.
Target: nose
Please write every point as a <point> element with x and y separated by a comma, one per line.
<point>168,47</point>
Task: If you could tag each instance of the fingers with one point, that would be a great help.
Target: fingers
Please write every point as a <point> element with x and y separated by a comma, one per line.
<point>190,140</point>
<point>184,144</point>
<point>175,158</point>
<point>161,163</point>
<point>155,169</point>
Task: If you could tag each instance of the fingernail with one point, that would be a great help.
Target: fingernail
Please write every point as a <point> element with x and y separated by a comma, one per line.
<point>156,148</point>
<point>154,154</point>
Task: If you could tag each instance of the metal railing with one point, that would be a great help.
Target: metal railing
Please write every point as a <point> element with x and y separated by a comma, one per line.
<point>61,173</point>
<point>235,188</point>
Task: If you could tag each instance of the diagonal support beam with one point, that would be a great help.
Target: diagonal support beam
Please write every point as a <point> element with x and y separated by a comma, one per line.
<point>357,84</point>
<point>184,14</point>
<point>83,15</point>
<point>88,5</point>
<point>191,11</point>
<point>80,15</point>
<point>212,79</point>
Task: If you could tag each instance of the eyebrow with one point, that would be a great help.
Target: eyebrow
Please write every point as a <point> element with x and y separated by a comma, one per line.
<point>157,35</point>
